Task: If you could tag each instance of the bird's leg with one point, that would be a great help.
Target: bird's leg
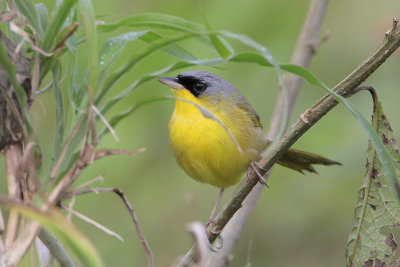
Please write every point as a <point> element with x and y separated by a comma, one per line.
<point>215,209</point>
<point>254,166</point>
<point>212,217</point>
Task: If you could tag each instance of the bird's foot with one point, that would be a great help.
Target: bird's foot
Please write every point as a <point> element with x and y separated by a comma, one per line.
<point>220,242</point>
<point>255,167</point>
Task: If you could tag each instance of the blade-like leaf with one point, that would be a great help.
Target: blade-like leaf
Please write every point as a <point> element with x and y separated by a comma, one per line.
<point>28,9</point>
<point>62,229</point>
<point>154,20</point>
<point>59,133</point>
<point>87,12</point>
<point>223,48</point>
<point>114,45</point>
<point>388,164</point>
<point>8,67</point>
<point>56,23</point>
<point>114,77</point>
<point>377,214</point>
<point>171,49</point>
<point>43,16</point>
<point>268,56</point>
<point>148,77</point>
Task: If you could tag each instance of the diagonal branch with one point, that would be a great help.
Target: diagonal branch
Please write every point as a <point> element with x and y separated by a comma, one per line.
<point>302,56</point>
<point>306,120</point>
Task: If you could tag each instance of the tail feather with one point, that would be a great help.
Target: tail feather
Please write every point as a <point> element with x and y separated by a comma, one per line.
<point>303,161</point>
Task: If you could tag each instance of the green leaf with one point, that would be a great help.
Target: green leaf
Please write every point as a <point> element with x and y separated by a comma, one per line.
<point>268,56</point>
<point>377,213</point>
<point>223,48</point>
<point>87,12</point>
<point>171,49</point>
<point>113,46</point>
<point>156,74</point>
<point>28,9</point>
<point>62,229</point>
<point>8,67</point>
<point>384,156</point>
<point>59,133</point>
<point>56,23</point>
<point>387,162</point>
<point>154,20</point>
<point>43,16</point>
<point>135,58</point>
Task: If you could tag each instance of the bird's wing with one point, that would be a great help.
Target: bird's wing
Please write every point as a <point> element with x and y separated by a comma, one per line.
<point>255,119</point>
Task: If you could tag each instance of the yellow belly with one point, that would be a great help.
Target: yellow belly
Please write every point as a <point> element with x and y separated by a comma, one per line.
<point>204,149</point>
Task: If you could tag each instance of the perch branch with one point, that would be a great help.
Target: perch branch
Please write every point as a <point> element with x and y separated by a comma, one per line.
<point>311,116</point>
<point>302,56</point>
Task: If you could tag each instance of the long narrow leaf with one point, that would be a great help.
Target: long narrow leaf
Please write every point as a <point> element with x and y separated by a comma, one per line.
<point>27,8</point>
<point>59,133</point>
<point>154,20</point>
<point>148,77</point>
<point>114,77</point>
<point>62,229</point>
<point>87,12</point>
<point>8,67</point>
<point>268,56</point>
<point>56,23</point>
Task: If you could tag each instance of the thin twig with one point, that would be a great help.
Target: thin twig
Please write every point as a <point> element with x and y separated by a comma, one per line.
<point>88,183</point>
<point>74,132</point>
<point>313,114</point>
<point>302,56</point>
<point>106,123</point>
<point>127,204</point>
<point>94,223</point>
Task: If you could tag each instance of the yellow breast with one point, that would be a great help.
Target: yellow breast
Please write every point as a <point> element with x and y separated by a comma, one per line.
<point>203,148</point>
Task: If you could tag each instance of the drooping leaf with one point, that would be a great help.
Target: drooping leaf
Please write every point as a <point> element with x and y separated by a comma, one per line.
<point>133,60</point>
<point>154,20</point>
<point>377,214</point>
<point>56,22</point>
<point>62,229</point>
<point>27,8</point>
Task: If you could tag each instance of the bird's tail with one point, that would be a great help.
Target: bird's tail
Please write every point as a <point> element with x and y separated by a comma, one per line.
<point>302,161</point>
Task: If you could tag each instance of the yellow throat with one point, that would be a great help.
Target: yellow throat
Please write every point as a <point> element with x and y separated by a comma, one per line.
<point>203,148</point>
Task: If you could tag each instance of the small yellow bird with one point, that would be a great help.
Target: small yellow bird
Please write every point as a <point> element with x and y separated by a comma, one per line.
<point>204,149</point>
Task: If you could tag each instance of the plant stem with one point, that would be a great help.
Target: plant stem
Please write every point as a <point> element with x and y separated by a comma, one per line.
<point>56,248</point>
<point>302,56</point>
<point>306,120</point>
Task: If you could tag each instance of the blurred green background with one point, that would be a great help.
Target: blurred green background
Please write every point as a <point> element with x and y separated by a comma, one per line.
<point>302,220</point>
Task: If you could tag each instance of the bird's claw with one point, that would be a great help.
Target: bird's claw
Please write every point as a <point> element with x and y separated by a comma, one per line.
<point>254,166</point>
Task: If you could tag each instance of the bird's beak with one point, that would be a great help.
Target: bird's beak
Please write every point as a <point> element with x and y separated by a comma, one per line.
<point>171,82</point>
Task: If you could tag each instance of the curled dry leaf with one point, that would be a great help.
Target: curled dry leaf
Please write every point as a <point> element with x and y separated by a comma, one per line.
<point>371,241</point>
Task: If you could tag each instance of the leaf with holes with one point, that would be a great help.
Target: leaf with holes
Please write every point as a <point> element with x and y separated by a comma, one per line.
<point>377,214</point>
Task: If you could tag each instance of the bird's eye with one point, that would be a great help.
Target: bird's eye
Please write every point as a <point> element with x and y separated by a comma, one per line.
<point>199,87</point>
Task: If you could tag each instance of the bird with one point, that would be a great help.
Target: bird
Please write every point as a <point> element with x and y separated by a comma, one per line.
<point>218,148</point>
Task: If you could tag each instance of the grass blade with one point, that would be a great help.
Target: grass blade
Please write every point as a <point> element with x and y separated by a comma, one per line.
<point>62,229</point>
<point>59,133</point>
<point>150,76</point>
<point>87,12</point>
<point>28,9</point>
<point>154,20</point>
<point>56,23</point>
<point>114,77</point>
